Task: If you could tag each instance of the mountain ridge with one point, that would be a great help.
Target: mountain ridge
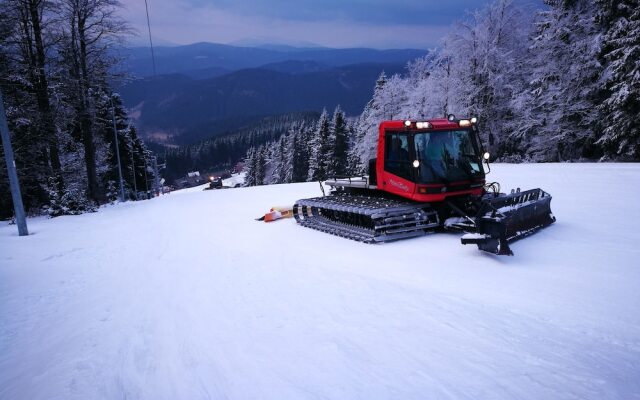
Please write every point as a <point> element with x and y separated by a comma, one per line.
<point>204,55</point>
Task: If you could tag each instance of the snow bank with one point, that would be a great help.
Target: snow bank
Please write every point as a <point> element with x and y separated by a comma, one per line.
<point>235,180</point>
<point>186,296</point>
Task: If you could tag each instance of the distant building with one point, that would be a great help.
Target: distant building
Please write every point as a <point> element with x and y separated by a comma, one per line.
<point>194,178</point>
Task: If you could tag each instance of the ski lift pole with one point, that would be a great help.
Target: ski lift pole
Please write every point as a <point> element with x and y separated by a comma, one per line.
<point>14,184</point>
<point>156,177</point>
<point>146,180</point>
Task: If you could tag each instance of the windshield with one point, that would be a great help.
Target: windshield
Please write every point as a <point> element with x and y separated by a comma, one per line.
<point>447,156</point>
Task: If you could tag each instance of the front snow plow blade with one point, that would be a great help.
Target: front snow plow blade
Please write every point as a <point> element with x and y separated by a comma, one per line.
<point>505,218</point>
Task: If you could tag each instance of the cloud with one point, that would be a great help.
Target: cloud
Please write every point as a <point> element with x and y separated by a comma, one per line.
<point>384,12</point>
<point>332,23</point>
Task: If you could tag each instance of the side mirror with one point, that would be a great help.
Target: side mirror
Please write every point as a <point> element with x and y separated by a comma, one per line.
<point>486,156</point>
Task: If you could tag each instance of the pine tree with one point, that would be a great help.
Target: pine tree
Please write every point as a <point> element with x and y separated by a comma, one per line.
<point>135,162</point>
<point>366,127</point>
<point>250,167</point>
<point>288,158</point>
<point>260,165</point>
<point>392,98</point>
<point>621,54</point>
<point>300,153</point>
<point>354,164</point>
<point>339,142</point>
<point>319,149</point>
<point>278,161</point>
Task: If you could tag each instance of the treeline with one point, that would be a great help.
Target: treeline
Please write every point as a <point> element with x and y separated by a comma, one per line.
<point>226,150</point>
<point>307,152</point>
<point>56,69</point>
<point>557,84</point>
<point>553,85</point>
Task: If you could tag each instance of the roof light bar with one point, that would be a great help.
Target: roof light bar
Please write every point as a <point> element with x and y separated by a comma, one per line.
<point>464,123</point>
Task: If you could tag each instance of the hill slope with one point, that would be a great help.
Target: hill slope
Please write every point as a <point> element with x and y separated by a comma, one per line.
<point>186,296</point>
<point>175,105</point>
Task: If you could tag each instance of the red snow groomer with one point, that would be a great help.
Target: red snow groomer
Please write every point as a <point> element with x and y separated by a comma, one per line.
<point>427,176</point>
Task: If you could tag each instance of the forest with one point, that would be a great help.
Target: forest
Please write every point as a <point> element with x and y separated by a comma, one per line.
<point>561,84</point>
<point>57,69</point>
<point>553,85</point>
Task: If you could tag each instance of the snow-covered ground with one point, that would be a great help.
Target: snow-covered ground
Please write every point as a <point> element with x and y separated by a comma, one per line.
<point>187,297</point>
<point>234,180</point>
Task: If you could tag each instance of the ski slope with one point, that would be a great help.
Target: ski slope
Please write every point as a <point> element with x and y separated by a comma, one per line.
<point>187,297</point>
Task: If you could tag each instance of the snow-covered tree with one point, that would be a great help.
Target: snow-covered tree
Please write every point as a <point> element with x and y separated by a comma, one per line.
<point>621,54</point>
<point>556,111</point>
<point>366,127</point>
<point>55,57</point>
<point>354,164</point>
<point>319,156</point>
<point>89,32</point>
<point>279,161</point>
<point>260,171</point>
<point>482,55</point>
<point>557,84</point>
<point>339,144</point>
<point>300,136</point>
<point>250,167</point>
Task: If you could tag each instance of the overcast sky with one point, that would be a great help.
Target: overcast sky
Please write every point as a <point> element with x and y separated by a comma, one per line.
<point>332,23</point>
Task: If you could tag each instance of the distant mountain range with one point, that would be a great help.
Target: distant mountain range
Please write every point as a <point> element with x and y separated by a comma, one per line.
<point>206,89</point>
<point>222,57</point>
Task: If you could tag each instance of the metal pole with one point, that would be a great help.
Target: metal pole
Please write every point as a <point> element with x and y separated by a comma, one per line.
<point>14,184</point>
<point>153,57</point>
<point>156,177</point>
<point>115,135</point>
<point>146,180</point>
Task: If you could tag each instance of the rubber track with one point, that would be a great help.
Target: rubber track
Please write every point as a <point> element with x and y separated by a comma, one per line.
<point>367,219</point>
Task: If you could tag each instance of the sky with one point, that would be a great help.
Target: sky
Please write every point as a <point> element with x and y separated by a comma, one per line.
<point>331,23</point>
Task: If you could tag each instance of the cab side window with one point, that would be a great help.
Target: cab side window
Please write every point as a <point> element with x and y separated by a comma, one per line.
<point>397,158</point>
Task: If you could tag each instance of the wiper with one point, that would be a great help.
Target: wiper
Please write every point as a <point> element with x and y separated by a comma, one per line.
<point>473,157</point>
<point>440,178</point>
<point>467,168</point>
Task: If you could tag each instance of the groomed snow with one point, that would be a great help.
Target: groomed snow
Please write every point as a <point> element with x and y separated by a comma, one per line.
<point>187,297</point>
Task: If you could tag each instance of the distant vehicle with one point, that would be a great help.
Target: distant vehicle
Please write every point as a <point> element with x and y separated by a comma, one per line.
<point>215,182</point>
